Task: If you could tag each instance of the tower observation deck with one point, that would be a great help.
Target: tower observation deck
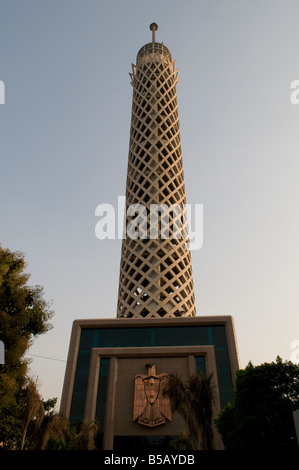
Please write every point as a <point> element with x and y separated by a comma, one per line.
<point>155,269</point>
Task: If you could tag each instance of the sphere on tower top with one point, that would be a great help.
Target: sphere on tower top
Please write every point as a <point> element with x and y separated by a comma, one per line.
<point>153,28</point>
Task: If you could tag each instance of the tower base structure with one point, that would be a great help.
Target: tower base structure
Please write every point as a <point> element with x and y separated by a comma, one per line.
<point>116,369</point>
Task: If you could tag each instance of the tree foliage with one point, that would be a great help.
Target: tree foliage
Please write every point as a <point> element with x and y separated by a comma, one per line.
<point>33,408</point>
<point>260,415</point>
<point>193,400</point>
<point>24,315</point>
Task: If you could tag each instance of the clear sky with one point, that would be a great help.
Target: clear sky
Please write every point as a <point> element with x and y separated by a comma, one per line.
<point>64,134</point>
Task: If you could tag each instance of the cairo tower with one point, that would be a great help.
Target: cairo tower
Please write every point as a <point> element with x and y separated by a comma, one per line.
<point>155,271</point>
<point>118,369</point>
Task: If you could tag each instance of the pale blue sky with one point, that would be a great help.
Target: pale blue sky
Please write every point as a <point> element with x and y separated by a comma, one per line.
<point>64,132</point>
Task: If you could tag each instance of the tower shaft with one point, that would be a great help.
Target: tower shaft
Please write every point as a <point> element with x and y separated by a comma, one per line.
<point>155,270</point>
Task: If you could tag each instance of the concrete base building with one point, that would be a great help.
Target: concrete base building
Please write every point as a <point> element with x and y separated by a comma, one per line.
<point>105,357</point>
<point>118,369</point>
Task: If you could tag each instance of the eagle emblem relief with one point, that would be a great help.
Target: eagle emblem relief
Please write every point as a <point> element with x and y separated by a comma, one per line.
<point>151,406</point>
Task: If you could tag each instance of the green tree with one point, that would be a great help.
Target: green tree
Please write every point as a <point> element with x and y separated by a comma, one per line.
<point>54,427</point>
<point>193,400</point>
<point>260,415</point>
<point>24,315</point>
<point>85,438</point>
<point>33,409</point>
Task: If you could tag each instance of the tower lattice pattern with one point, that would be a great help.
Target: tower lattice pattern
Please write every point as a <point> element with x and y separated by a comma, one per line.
<point>155,271</point>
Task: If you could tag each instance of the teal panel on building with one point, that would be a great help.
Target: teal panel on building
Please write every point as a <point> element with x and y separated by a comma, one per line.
<point>195,335</point>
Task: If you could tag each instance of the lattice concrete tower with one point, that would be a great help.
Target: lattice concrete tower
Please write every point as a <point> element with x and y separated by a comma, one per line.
<point>155,270</point>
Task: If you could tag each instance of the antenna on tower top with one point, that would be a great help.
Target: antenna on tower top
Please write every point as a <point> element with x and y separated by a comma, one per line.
<point>153,28</point>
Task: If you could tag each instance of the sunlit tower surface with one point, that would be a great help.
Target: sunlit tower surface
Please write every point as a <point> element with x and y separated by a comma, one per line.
<point>155,269</point>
